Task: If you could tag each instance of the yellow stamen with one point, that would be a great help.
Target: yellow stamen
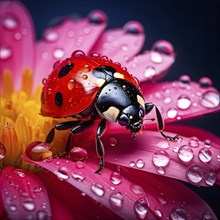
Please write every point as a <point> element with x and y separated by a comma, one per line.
<point>7,83</point>
<point>27,81</point>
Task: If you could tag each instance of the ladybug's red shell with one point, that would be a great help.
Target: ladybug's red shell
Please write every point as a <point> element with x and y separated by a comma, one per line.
<point>72,87</point>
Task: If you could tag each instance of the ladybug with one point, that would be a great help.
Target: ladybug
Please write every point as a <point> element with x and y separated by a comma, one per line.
<point>92,87</point>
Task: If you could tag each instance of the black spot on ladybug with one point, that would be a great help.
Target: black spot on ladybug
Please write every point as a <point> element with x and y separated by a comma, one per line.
<point>59,99</point>
<point>65,70</point>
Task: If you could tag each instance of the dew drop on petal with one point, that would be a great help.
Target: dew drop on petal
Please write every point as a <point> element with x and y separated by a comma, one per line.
<point>163,145</point>
<point>12,207</point>
<point>5,52</point>
<point>205,155</point>
<point>136,189</point>
<point>97,17</point>
<point>140,163</point>
<point>183,102</point>
<point>98,189</point>
<point>206,216</point>
<point>163,46</point>
<point>194,174</point>
<point>78,175</point>
<point>156,57</point>
<point>78,154</point>
<point>38,151</point>
<point>124,48</point>
<point>178,214</point>
<point>62,173</point>
<point>58,53</point>
<point>20,173</point>
<point>51,36</point>
<point>112,142</point>
<point>158,213</point>
<point>210,99</point>
<point>161,170</point>
<point>116,199</point>
<point>172,113</point>
<point>193,142</point>
<point>167,100</point>
<point>132,164</point>
<point>207,143</point>
<point>42,215</point>
<point>2,151</point>
<point>115,178</point>
<point>185,79</point>
<point>10,23</point>
<point>205,82</point>
<point>210,178</point>
<point>80,164</point>
<point>29,205</point>
<point>141,208</point>
<point>133,27</point>
<point>18,36</point>
<point>161,158</point>
<point>149,72</point>
<point>185,153</point>
<point>78,53</point>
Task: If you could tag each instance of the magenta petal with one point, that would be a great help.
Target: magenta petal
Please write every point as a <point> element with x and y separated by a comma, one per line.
<point>150,65</point>
<point>16,42</point>
<point>23,195</point>
<point>178,101</point>
<point>60,41</point>
<point>121,44</point>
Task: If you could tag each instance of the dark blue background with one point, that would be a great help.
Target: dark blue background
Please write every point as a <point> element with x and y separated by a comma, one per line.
<point>191,26</point>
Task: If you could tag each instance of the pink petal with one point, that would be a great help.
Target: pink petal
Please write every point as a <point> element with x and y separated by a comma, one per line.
<point>60,41</point>
<point>129,194</point>
<point>150,65</point>
<point>16,42</point>
<point>178,101</point>
<point>121,44</point>
<point>145,151</point>
<point>23,195</point>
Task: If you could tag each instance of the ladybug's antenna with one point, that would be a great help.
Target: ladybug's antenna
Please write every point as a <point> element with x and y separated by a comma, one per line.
<point>151,119</point>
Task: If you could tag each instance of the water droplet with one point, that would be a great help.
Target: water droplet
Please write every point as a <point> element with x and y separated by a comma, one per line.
<point>207,143</point>
<point>149,72</point>
<point>156,57</point>
<point>163,145</point>
<point>71,84</point>
<point>141,208</point>
<point>2,151</point>
<point>80,164</point>
<point>38,151</point>
<point>172,113</point>
<point>132,164</point>
<point>29,205</point>
<point>42,215</point>
<point>98,189</point>
<point>18,36</point>
<point>116,200</point>
<point>10,23</point>
<point>163,46</point>
<point>185,153</point>
<point>133,27</point>
<point>78,154</point>
<point>210,178</point>
<point>84,76</point>
<point>136,189</point>
<point>51,36</point>
<point>58,53</point>
<point>97,17</point>
<point>183,102</point>
<point>62,173</point>
<point>167,100</point>
<point>161,170</point>
<point>185,79</point>
<point>210,99</point>
<point>158,213</point>
<point>193,142</point>
<point>78,53</point>
<point>140,163</point>
<point>205,82</point>
<point>205,155</point>
<point>206,216</point>
<point>79,176</point>
<point>194,174</point>
<point>20,173</point>
<point>37,189</point>
<point>178,214</point>
<point>161,158</point>
<point>112,142</point>
<point>162,199</point>
<point>115,178</point>
<point>5,52</point>
<point>13,208</point>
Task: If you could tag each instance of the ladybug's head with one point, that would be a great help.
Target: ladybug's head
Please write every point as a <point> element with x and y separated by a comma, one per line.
<point>132,117</point>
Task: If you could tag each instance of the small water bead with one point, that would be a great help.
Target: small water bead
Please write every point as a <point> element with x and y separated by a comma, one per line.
<point>140,163</point>
<point>124,47</point>
<point>136,189</point>
<point>112,142</point>
<point>207,143</point>
<point>132,164</point>
<point>172,113</point>
<point>10,23</point>
<point>149,72</point>
<point>161,158</point>
<point>158,213</point>
<point>20,173</point>
<point>13,208</point>
<point>193,142</point>
<point>183,102</point>
<point>178,214</point>
<point>18,36</point>
<point>133,27</point>
<point>210,99</point>
<point>205,155</point>
<point>29,205</point>
<point>161,170</point>
<point>80,164</point>
<point>163,145</point>
<point>98,189</point>
<point>97,17</point>
<point>167,100</point>
<point>71,84</point>
<point>206,216</point>
<point>85,76</point>
<point>163,46</point>
<point>205,82</point>
<point>78,154</point>
<point>115,178</point>
<point>210,178</point>
<point>2,151</point>
<point>58,53</point>
<point>79,176</point>
<point>185,153</point>
<point>5,52</point>
<point>116,199</point>
<point>194,174</point>
<point>51,36</point>
<point>62,173</point>
<point>42,215</point>
<point>141,208</point>
<point>156,57</point>
<point>185,79</point>
<point>78,53</point>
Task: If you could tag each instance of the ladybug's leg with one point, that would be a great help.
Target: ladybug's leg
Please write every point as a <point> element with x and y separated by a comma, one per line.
<point>61,126</point>
<point>99,145</point>
<point>148,107</point>
<point>77,129</point>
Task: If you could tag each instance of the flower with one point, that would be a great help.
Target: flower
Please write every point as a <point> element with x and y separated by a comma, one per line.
<point>134,182</point>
